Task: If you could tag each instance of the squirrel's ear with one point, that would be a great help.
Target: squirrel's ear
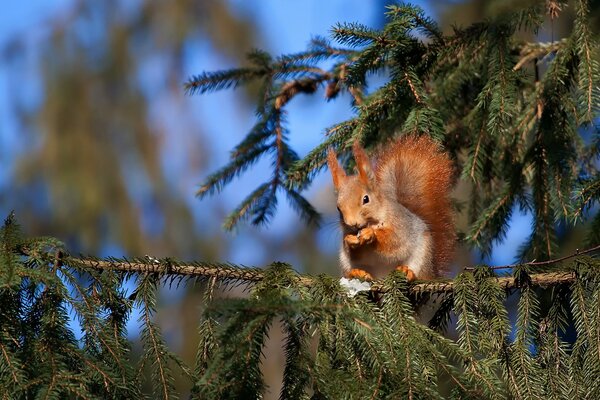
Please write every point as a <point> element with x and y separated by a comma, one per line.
<point>363,164</point>
<point>337,172</point>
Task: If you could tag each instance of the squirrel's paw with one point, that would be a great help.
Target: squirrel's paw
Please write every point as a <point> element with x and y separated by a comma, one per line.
<point>352,241</point>
<point>363,237</point>
<point>357,273</point>
<point>410,275</point>
<point>366,235</point>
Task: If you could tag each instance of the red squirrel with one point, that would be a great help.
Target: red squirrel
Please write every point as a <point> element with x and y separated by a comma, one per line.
<point>396,213</point>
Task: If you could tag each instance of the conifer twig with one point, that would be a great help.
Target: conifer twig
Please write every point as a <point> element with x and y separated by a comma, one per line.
<point>547,262</point>
<point>354,91</point>
<point>533,51</point>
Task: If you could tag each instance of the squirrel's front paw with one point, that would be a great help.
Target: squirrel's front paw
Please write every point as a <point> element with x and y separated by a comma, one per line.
<point>366,235</point>
<point>357,273</point>
<point>352,241</point>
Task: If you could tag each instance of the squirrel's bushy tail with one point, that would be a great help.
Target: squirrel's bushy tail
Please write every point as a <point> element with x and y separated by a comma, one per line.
<point>422,174</point>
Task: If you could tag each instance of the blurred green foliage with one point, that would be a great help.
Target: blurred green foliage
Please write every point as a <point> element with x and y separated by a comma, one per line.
<point>92,170</point>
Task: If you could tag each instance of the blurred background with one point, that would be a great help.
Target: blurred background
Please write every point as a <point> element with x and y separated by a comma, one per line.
<point>101,148</point>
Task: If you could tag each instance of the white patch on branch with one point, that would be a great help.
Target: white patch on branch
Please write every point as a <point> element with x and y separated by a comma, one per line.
<point>353,286</point>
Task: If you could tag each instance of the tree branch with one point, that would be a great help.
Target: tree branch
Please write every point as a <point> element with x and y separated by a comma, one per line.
<point>533,51</point>
<point>230,272</point>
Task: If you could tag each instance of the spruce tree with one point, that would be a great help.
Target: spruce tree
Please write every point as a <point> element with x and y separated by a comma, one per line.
<point>519,120</point>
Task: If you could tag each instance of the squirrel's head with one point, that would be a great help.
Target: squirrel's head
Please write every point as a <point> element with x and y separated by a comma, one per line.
<point>359,201</point>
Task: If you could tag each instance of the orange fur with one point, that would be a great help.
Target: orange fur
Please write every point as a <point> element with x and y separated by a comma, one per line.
<point>423,184</point>
<point>384,240</point>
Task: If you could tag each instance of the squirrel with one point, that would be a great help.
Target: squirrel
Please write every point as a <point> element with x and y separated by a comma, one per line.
<point>396,213</point>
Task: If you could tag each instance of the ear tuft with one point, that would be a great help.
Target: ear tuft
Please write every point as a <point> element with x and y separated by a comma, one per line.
<point>337,172</point>
<point>363,164</point>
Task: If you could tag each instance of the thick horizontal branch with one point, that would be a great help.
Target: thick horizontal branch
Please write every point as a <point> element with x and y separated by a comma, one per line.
<point>229,272</point>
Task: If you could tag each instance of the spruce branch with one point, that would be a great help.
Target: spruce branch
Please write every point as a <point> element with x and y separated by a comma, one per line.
<point>302,171</point>
<point>589,67</point>
<point>355,91</point>
<point>269,134</point>
<point>493,222</point>
<point>214,81</point>
<point>586,193</point>
<point>251,275</point>
<point>421,21</point>
<point>217,181</point>
<point>355,34</point>
<point>224,271</point>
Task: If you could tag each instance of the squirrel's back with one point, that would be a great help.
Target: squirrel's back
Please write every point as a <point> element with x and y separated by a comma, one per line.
<point>421,174</point>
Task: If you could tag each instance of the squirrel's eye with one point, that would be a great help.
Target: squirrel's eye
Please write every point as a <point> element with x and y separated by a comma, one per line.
<point>365,199</point>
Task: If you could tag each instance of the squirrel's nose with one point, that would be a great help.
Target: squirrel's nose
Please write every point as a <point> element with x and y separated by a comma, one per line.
<point>354,226</point>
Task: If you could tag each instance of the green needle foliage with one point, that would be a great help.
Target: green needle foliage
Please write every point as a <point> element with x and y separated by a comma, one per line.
<point>40,356</point>
<point>515,115</point>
